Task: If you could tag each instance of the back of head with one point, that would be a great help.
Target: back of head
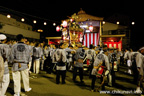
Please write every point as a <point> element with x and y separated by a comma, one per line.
<point>91,46</point>
<point>56,46</point>
<point>60,45</point>
<point>37,44</point>
<point>2,37</point>
<point>45,45</point>
<point>19,37</point>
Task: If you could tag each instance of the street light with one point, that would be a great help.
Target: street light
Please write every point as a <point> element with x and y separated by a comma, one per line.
<point>117,22</point>
<point>133,23</point>
<point>8,16</point>
<point>45,23</point>
<point>54,24</point>
<point>34,21</point>
<point>22,19</point>
<point>103,22</point>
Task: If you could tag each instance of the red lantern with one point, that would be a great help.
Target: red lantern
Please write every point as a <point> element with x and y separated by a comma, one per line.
<point>90,28</point>
<point>57,28</point>
<point>64,24</point>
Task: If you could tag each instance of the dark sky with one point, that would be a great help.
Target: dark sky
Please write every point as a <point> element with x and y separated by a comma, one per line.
<point>59,9</point>
<point>55,11</point>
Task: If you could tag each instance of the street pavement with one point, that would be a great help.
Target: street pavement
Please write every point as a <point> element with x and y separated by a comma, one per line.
<point>45,85</point>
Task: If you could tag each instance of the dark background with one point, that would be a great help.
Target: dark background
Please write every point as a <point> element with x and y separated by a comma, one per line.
<point>54,11</point>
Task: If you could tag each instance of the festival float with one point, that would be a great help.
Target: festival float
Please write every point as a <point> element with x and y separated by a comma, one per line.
<point>87,29</point>
<point>71,30</point>
<point>82,28</point>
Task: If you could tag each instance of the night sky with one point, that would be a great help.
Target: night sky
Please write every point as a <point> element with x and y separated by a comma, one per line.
<point>55,11</point>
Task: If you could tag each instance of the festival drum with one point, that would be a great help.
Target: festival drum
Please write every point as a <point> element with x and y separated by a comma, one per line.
<point>100,71</point>
<point>88,62</point>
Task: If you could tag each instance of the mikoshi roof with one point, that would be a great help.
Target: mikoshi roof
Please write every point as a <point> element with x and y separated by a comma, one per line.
<point>82,16</point>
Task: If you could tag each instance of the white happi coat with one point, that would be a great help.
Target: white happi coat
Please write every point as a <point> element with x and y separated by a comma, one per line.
<point>60,54</point>
<point>100,58</point>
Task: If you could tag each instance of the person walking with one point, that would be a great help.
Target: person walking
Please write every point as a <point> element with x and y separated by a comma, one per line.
<point>139,59</point>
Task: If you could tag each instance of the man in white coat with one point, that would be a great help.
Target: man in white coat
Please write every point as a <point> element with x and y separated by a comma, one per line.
<point>60,58</point>
<point>127,57</point>
<point>140,67</point>
<point>101,61</point>
<point>20,57</point>
<point>4,51</point>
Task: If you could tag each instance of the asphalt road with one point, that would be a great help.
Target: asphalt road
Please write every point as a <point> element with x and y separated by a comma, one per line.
<point>45,85</point>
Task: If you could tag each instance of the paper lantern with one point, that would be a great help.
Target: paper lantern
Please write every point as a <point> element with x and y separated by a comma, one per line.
<point>57,28</point>
<point>90,28</point>
<point>64,24</point>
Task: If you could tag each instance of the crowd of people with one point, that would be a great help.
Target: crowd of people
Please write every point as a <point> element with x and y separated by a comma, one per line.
<point>31,57</point>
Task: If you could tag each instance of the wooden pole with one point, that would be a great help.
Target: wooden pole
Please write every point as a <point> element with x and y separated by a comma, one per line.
<point>48,41</point>
<point>100,35</point>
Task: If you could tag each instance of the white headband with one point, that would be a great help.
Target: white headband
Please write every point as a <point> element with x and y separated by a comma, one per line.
<point>2,37</point>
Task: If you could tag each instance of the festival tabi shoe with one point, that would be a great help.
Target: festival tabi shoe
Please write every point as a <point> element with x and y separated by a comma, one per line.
<point>110,84</point>
<point>138,90</point>
<point>93,90</point>
<point>34,77</point>
<point>22,94</point>
<point>29,90</point>
<point>129,72</point>
<point>18,94</point>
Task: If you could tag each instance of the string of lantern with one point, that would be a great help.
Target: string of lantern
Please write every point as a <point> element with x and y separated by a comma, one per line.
<point>45,19</point>
<point>34,21</point>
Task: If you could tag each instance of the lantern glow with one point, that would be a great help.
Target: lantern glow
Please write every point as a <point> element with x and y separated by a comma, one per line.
<point>90,28</point>
<point>34,21</point>
<point>22,19</point>
<point>64,24</point>
<point>57,28</point>
<point>8,16</point>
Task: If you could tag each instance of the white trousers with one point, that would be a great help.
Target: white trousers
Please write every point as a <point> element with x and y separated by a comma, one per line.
<point>36,66</point>
<point>129,63</point>
<point>42,64</point>
<point>30,65</point>
<point>4,84</point>
<point>17,80</point>
<point>110,78</point>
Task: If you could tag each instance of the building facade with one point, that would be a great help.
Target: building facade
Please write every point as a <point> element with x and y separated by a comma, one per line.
<point>11,27</point>
<point>115,35</point>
